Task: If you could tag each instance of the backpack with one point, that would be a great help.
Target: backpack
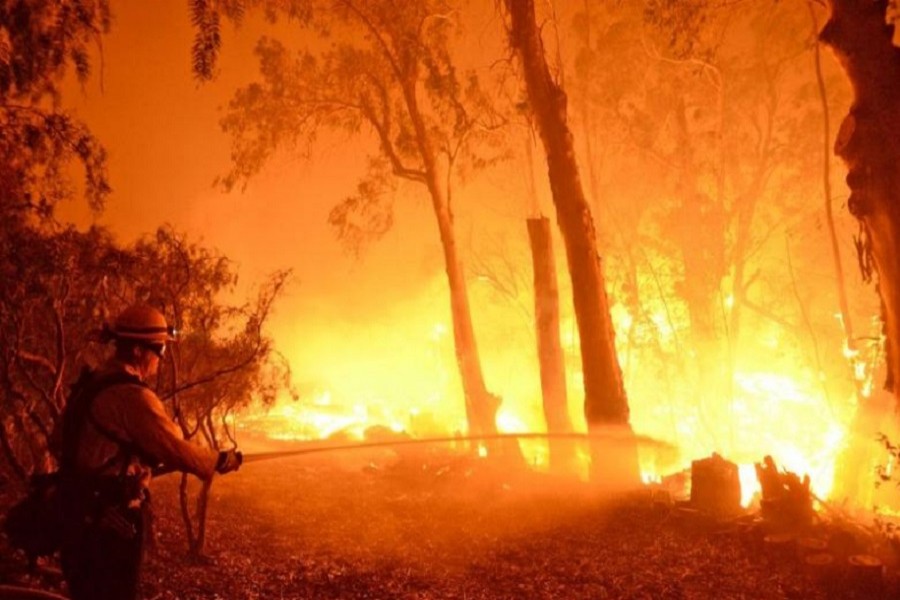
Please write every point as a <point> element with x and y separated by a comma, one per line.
<point>37,524</point>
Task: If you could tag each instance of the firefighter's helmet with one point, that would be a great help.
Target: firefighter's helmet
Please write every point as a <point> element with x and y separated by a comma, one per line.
<point>143,323</point>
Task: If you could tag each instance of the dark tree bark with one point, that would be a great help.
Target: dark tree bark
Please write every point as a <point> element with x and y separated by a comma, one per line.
<point>605,403</point>
<point>550,353</point>
<point>870,145</point>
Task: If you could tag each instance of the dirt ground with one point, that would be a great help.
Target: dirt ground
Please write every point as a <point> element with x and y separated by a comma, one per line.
<point>427,527</point>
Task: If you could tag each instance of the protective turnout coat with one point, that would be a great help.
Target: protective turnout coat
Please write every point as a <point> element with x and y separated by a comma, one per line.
<point>134,414</point>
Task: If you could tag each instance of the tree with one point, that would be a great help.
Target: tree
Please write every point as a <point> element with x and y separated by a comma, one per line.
<point>60,287</point>
<point>704,116</point>
<point>222,362</point>
<point>605,403</point>
<point>863,36</point>
<point>43,304</point>
<point>39,41</point>
<point>57,289</point>
<point>390,72</point>
<point>549,349</point>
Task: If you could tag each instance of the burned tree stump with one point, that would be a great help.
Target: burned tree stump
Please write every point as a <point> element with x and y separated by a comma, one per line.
<point>820,567</point>
<point>780,546</point>
<point>808,546</point>
<point>865,574</point>
<point>787,500</point>
<point>715,486</point>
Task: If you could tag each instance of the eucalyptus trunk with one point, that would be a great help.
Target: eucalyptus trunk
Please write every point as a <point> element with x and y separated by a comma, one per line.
<point>481,405</point>
<point>549,348</point>
<point>605,403</point>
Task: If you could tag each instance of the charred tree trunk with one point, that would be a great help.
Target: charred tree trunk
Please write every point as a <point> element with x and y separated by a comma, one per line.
<point>859,459</point>
<point>605,403</point>
<point>550,353</point>
<point>869,144</point>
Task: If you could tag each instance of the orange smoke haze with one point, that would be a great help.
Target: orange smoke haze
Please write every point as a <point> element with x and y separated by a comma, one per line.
<point>370,340</point>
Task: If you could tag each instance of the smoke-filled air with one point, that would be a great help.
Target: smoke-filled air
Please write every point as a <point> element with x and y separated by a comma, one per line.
<point>449,299</point>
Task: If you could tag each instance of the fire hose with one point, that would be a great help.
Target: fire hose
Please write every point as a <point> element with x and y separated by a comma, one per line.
<point>15,592</point>
<point>318,446</point>
<point>312,447</point>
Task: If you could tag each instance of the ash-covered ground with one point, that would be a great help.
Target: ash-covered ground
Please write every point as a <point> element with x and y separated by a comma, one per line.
<point>444,527</point>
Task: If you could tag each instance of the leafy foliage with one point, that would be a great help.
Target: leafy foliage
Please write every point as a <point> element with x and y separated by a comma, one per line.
<point>206,17</point>
<point>223,361</point>
<point>39,42</point>
<point>680,24</point>
<point>56,288</point>
<point>62,284</point>
<point>708,126</point>
<point>389,73</point>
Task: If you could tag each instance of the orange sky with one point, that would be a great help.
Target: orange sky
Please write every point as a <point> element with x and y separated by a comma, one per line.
<point>165,147</point>
<point>161,130</point>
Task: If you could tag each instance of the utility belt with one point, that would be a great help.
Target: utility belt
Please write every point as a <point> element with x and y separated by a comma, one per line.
<point>86,489</point>
<point>108,502</point>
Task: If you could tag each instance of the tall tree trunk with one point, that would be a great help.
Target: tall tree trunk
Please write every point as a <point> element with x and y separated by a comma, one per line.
<point>869,143</point>
<point>481,405</point>
<point>874,201</point>
<point>550,353</point>
<point>605,403</point>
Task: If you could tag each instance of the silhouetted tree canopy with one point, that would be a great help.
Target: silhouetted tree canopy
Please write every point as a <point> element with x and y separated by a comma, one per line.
<point>39,43</point>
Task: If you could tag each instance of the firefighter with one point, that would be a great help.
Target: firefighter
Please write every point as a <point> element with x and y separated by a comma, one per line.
<point>115,433</point>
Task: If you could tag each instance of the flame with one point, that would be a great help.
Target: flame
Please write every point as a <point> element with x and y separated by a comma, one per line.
<point>402,375</point>
<point>749,484</point>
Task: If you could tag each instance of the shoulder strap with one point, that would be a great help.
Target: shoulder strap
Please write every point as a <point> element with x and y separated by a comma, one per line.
<point>79,410</point>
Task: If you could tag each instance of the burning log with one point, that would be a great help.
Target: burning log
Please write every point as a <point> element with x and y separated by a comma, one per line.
<point>786,500</point>
<point>715,486</point>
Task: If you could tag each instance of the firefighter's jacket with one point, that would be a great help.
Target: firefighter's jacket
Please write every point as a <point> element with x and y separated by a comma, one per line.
<point>134,414</point>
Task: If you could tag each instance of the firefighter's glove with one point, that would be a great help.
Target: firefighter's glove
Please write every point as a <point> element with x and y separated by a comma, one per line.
<point>229,460</point>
